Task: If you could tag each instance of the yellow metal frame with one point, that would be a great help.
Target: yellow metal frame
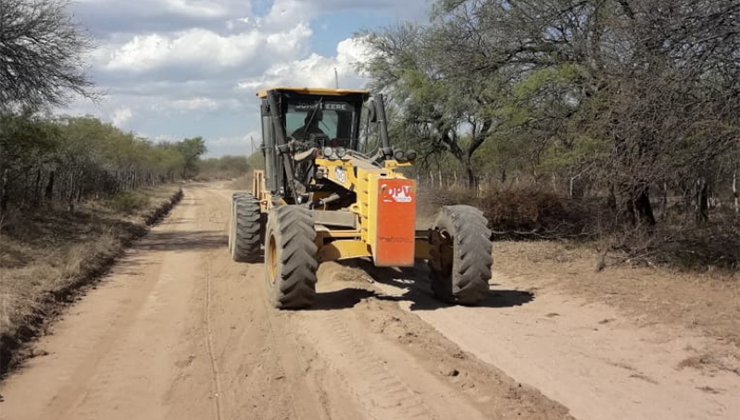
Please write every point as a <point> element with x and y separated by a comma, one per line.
<point>355,175</point>
<point>260,191</point>
<point>337,245</point>
<point>360,177</point>
<point>313,91</point>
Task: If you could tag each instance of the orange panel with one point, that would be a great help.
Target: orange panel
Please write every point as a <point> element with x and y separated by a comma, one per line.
<point>395,224</point>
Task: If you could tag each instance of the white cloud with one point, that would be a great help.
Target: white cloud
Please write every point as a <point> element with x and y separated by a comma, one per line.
<point>288,12</point>
<point>234,145</point>
<point>202,48</point>
<point>197,8</point>
<point>195,104</point>
<point>179,68</point>
<point>316,70</point>
<point>121,116</point>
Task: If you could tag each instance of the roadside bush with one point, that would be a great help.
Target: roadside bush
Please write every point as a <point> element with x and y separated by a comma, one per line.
<point>681,243</point>
<point>529,212</point>
<point>128,202</point>
<point>537,212</point>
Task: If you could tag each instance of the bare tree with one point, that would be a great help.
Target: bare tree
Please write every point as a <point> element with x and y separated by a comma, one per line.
<point>41,54</point>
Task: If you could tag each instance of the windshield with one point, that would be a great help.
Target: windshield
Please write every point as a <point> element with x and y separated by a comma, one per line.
<point>331,119</point>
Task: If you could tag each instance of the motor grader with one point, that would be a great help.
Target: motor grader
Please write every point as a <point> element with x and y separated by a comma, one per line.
<point>333,189</point>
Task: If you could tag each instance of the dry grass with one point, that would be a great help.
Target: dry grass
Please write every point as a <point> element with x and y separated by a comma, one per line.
<point>47,256</point>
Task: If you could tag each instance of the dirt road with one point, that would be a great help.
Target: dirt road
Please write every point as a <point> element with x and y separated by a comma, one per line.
<point>178,331</point>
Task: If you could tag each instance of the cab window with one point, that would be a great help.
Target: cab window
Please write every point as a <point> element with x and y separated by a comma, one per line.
<point>335,120</point>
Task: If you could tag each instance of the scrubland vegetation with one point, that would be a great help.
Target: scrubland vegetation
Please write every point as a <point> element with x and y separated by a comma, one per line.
<point>74,191</point>
<point>601,119</point>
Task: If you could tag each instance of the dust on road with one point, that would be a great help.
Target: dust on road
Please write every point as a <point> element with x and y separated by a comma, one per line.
<point>177,330</point>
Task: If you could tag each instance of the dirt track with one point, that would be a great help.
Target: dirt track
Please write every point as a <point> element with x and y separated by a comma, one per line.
<point>179,331</point>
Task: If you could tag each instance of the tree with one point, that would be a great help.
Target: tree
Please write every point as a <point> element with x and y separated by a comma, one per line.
<point>439,111</point>
<point>628,93</point>
<point>64,160</point>
<point>191,149</point>
<point>41,53</point>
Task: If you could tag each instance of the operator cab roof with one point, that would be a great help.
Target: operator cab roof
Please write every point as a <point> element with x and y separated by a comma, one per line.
<point>315,91</point>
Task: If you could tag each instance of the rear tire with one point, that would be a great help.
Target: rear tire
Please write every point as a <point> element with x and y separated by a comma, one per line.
<point>291,257</point>
<point>232,218</point>
<point>245,227</point>
<point>461,255</point>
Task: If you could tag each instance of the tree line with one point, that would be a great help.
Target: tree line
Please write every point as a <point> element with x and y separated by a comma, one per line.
<point>634,100</point>
<point>228,166</point>
<point>70,159</point>
<point>49,159</point>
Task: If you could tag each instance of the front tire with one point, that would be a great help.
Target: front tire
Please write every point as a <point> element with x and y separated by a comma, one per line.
<point>461,257</point>
<point>291,257</point>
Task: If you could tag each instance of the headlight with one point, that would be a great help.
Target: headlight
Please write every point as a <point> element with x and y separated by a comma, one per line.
<point>411,154</point>
<point>399,155</point>
<point>328,152</point>
<point>341,152</point>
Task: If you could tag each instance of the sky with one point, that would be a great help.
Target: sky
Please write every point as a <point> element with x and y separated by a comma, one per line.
<point>172,69</point>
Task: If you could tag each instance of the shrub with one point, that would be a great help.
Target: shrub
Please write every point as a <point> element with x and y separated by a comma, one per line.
<point>530,212</point>
<point>128,202</point>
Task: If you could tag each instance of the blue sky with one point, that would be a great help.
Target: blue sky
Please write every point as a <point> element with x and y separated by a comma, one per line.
<point>182,68</point>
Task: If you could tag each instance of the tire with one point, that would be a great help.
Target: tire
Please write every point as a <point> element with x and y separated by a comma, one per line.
<point>245,228</point>
<point>461,255</point>
<point>232,219</point>
<point>291,257</point>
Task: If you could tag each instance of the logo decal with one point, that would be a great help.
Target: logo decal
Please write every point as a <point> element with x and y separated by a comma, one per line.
<point>398,194</point>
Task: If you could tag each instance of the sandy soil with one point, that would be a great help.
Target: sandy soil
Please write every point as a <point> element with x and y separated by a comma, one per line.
<point>586,355</point>
<point>179,331</point>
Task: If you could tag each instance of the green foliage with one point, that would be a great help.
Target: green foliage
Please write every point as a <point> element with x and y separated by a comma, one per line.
<point>191,150</point>
<point>627,97</point>
<point>68,159</point>
<point>128,202</point>
<point>256,161</point>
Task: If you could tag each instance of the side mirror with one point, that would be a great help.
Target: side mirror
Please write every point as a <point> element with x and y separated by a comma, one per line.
<point>372,112</point>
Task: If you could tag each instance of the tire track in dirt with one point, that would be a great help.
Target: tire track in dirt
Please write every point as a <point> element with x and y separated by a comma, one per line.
<point>127,385</point>
<point>306,397</point>
<point>383,394</point>
<point>215,377</point>
<point>399,367</point>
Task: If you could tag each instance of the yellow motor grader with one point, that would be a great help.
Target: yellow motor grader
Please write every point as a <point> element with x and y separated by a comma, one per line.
<point>324,197</point>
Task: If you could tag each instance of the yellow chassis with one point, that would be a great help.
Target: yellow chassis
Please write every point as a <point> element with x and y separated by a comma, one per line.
<point>360,177</point>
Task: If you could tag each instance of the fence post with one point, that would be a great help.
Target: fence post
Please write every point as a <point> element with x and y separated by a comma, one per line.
<point>735,192</point>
